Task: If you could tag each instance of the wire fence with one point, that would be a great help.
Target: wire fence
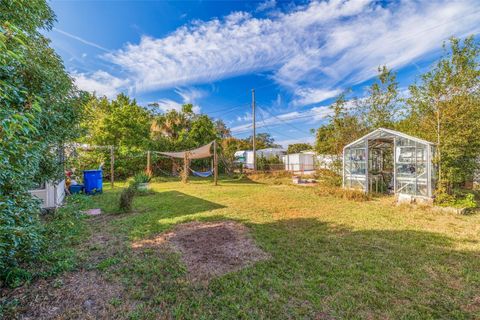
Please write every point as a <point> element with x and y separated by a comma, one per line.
<point>295,168</point>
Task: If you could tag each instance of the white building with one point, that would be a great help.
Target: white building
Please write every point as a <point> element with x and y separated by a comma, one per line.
<point>51,195</point>
<point>298,162</point>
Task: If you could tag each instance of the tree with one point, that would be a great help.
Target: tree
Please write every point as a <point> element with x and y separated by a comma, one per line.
<point>170,124</point>
<point>201,131</point>
<point>222,129</point>
<point>262,141</point>
<point>299,147</point>
<point>229,146</point>
<point>39,112</point>
<point>446,109</point>
<point>381,107</point>
<point>342,129</point>
<point>119,123</point>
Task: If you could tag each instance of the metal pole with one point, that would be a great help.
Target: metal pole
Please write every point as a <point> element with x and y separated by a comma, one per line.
<point>112,166</point>
<point>254,132</point>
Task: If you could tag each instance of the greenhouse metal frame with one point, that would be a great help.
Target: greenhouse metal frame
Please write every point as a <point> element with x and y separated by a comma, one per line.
<point>388,161</point>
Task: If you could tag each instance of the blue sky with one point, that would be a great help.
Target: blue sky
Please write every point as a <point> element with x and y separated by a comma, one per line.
<point>297,55</point>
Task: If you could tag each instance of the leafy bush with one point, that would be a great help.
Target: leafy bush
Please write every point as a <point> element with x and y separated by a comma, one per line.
<point>20,233</point>
<point>126,199</point>
<point>141,178</point>
<point>328,177</point>
<point>457,199</point>
<point>50,239</point>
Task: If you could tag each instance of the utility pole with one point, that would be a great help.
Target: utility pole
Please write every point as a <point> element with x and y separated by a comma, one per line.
<point>254,133</point>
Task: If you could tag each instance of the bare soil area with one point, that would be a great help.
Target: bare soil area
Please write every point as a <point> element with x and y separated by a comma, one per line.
<point>210,249</point>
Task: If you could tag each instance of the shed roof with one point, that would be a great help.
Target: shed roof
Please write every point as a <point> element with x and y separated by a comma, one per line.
<point>378,133</point>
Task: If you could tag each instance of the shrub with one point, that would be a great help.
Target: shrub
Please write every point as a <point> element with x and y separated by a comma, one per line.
<point>141,178</point>
<point>328,177</point>
<point>20,234</point>
<point>126,199</point>
<point>459,199</point>
<point>49,238</point>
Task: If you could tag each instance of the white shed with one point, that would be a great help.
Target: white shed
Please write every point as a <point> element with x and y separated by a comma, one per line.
<point>249,159</point>
<point>51,194</point>
<point>303,161</point>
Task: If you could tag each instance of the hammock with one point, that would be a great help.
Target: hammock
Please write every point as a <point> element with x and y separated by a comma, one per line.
<point>205,174</point>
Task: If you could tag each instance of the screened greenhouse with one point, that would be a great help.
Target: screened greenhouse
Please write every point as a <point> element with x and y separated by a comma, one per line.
<point>388,161</point>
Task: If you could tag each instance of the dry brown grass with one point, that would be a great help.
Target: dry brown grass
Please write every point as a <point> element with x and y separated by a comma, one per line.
<point>348,194</point>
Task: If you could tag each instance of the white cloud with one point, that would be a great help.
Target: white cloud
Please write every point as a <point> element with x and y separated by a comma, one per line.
<point>166,104</point>
<point>100,82</point>
<point>324,44</point>
<point>266,5</point>
<point>188,95</point>
<point>191,95</point>
<point>311,115</point>
<point>237,44</point>
<point>309,95</point>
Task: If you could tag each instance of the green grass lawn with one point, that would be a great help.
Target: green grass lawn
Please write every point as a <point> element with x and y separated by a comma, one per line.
<point>330,258</point>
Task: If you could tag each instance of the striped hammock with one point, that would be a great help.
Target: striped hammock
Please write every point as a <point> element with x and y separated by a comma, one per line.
<point>205,174</point>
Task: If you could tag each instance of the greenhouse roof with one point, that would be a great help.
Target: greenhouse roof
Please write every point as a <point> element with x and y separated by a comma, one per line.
<point>385,133</point>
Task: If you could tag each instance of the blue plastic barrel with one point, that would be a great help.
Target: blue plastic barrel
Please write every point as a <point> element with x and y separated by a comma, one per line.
<point>92,180</point>
<point>76,188</point>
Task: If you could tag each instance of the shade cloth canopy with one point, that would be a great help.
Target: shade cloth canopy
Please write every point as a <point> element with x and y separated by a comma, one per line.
<point>199,153</point>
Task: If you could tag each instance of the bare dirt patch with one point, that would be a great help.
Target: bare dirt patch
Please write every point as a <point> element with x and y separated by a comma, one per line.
<point>210,249</point>
<point>75,295</point>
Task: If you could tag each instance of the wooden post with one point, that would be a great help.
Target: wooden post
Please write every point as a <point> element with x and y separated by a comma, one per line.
<point>185,168</point>
<point>215,163</point>
<point>112,166</point>
<point>149,165</point>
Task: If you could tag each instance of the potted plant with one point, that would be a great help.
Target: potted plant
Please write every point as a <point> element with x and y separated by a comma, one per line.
<point>141,180</point>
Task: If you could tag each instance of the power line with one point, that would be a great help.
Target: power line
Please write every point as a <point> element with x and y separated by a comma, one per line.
<point>269,131</point>
<point>303,116</point>
<point>282,120</point>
